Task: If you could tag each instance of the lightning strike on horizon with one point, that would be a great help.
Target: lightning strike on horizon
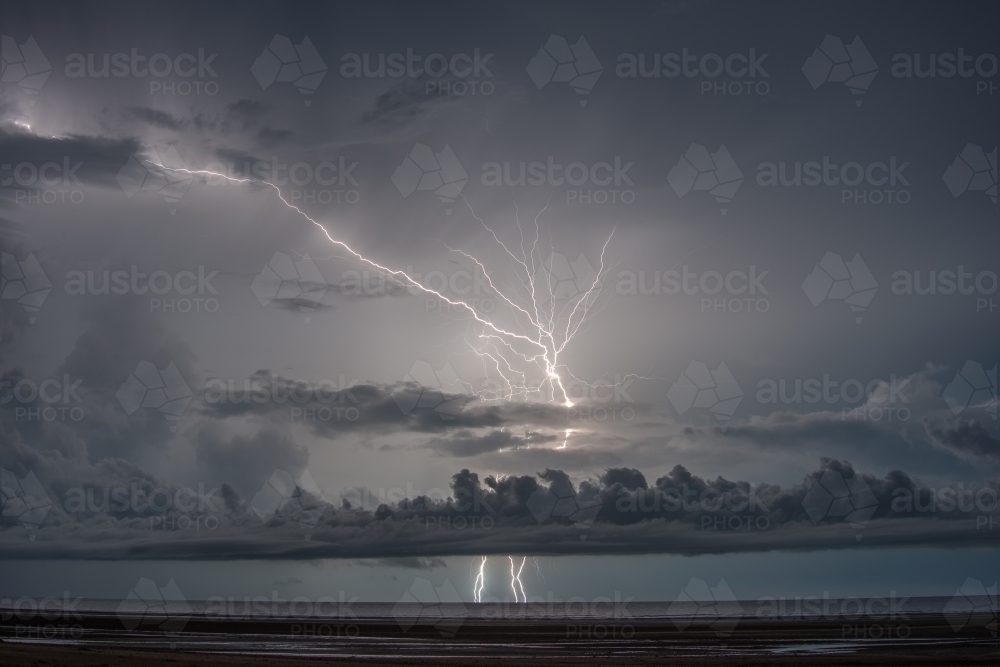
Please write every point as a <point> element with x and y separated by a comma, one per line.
<point>477,591</point>
<point>517,578</point>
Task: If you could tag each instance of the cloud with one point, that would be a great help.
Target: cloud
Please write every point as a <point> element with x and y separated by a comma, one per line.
<point>246,112</point>
<point>676,514</point>
<point>373,408</point>
<point>406,102</point>
<point>967,438</point>
<point>244,460</point>
<point>466,443</point>
<point>269,136</point>
<point>99,158</point>
<point>157,118</point>
<point>119,334</point>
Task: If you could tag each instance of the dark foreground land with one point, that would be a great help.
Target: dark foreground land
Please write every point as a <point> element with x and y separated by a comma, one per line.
<point>100,641</point>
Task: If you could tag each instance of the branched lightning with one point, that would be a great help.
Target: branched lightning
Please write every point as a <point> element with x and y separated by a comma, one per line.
<point>545,325</point>
<point>515,578</point>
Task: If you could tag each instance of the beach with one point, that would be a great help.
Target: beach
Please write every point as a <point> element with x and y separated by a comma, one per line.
<point>98,639</point>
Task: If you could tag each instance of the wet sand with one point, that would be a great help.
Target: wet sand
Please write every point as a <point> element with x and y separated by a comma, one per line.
<point>99,641</point>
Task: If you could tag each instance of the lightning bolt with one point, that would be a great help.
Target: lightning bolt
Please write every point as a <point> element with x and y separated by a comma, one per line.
<point>516,578</point>
<point>477,591</point>
<point>545,327</point>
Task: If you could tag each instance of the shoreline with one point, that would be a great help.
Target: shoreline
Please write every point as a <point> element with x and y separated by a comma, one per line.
<point>95,639</point>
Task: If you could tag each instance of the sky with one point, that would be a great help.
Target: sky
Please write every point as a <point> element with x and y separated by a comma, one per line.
<point>339,297</point>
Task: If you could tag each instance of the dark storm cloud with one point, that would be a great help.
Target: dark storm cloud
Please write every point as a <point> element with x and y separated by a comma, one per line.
<point>238,117</point>
<point>788,430</point>
<point>966,438</point>
<point>680,513</point>
<point>245,460</point>
<point>236,156</point>
<point>247,112</point>
<point>466,443</point>
<point>270,136</point>
<point>416,563</point>
<point>403,103</point>
<point>83,160</point>
<point>157,118</point>
<point>373,407</point>
<point>118,335</point>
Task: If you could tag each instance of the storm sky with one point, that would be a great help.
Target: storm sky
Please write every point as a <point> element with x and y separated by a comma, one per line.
<point>763,235</point>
